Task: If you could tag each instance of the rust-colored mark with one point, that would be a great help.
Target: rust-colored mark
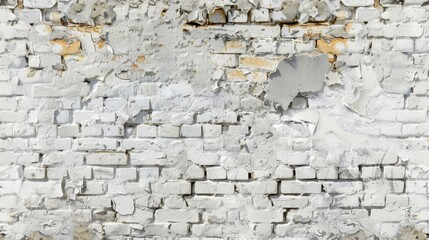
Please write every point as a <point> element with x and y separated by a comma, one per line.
<point>55,16</point>
<point>116,58</point>
<point>20,4</point>
<point>348,27</point>
<point>331,47</point>
<point>377,3</point>
<point>134,67</point>
<point>48,28</point>
<point>141,59</point>
<point>86,28</point>
<point>236,75</point>
<point>101,43</point>
<point>64,48</point>
<point>233,44</point>
<point>31,73</point>
<point>257,62</point>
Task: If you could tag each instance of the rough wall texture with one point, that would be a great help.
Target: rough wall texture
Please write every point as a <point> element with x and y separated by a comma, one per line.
<point>247,119</point>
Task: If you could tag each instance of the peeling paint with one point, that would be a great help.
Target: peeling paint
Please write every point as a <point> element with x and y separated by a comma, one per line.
<point>292,77</point>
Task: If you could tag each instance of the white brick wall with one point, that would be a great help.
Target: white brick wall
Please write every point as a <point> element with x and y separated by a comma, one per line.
<point>162,119</point>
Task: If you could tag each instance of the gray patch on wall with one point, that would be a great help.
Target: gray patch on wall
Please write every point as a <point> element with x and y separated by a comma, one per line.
<point>298,74</point>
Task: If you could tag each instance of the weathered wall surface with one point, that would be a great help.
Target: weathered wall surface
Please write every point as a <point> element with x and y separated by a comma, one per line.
<point>248,119</point>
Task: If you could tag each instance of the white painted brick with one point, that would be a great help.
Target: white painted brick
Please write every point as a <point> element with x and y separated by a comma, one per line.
<point>290,201</point>
<point>388,215</point>
<point>300,187</point>
<point>357,3</point>
<point>146,158</point>
<point>265,216</point>
<point>305,173</point>
<point>292,158</point>
<point>34,173</point>
<point>186,99</point>
<point>113,131</point>
<point>126,173</point>
<point>422,45</point>
<point>123,205</point>
<point>394,172</point>
<point>216,173</point>
<point>343,187</point>
<point>95,187</point>
<point>168,131</point>
<point>96,144</point>
<point>283,172</point>
<point>409,30</point>
<point>371,172</point>
<point>176,216</point>
<point>106,159</point>
<point>238,174</point>
<point>225,60</point>
<point>213,188</point>
<point>397,200</point>
<point>204,202</point>
<point>146,131</point>
<point>149,173</point>
<point>367,14</point>
<point>103,172</point>
<point>265,187</point>
<point>68,130</point>
<point>92,131</point>
<point>191,131</point>
<point>416,187</point>
<point>327,173</point>
<point>194,172</point>
<point>411,116</point>
<point>260,15</point>
<point>179,187</point>
<point>346,201</point>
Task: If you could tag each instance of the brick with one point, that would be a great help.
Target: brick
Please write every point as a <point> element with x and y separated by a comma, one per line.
<point>265,187</point>
<point>416,187</point>
<point>260,15</point>
<point>189,131</point>
<point>290,201</point>
<point>146,158</point>
<point>388,215</point>
<point>327,173</point>
<point>172,188</point>
<point>126,173</point>
<point>182,216</point>
<point>409,30</point>
<point>194,172</point>
<point>168,131</point>
<point>214,188</point>
<point>371,172</point>
<point>238,174</point>
<point>34,173</point>
<point>107,159</point>
<point>357,3</point>
<point>265,216</point>
<point>300,187</point>
<point>394,172</point>
<point>343,187</point>
<point>283,172</point>
<point>216,173</point>
<point>346,201</point>
<point>305,173</point>
<point>258,63</point>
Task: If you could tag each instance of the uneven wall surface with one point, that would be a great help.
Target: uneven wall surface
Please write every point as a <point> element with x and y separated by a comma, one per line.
<point>221,119</point>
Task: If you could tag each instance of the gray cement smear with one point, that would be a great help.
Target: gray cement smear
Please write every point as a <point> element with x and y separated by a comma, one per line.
<point>160,119</point>
<point>299,74</point>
